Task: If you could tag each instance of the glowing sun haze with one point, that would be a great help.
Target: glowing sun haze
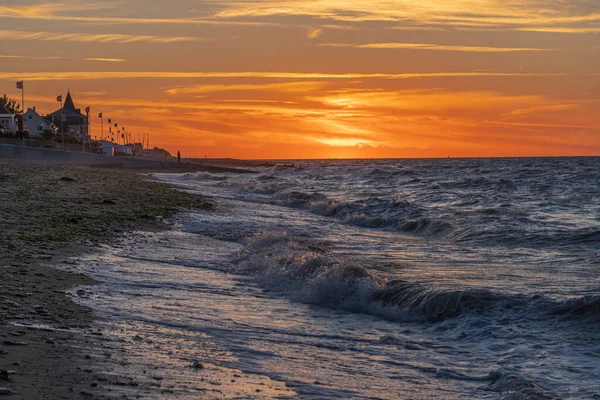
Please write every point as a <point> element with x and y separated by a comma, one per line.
<point>319,79</point>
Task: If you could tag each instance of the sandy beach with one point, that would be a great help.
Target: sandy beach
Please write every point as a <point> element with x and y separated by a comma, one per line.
<point>48,214</point>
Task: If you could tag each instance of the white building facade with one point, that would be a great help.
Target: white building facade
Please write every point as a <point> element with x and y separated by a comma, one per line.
<point>36,124</point>
<point>7,121</point>
<point>108,148</point>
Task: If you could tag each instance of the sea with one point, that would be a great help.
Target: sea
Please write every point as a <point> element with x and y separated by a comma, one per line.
<point>364,279</point>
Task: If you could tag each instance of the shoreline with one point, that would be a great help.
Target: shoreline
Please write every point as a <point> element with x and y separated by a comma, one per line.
<point>49,214</point>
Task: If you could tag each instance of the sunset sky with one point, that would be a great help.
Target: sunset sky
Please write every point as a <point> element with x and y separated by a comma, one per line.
<point>319,79</point>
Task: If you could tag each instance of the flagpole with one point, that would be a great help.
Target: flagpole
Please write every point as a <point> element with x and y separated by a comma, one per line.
<point>24,110</point>
<point>62,121</point>
<point>87,120</point>
<point>21,86</point>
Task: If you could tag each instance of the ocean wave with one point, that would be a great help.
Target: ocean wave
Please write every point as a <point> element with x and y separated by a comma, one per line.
<point>578,307</point>
<point>395,214</point>
<point>487,208</point>
<point>521,237</point>
<point>304,269</point>
<point>203,176</point>
<point>403,216</point>
<point>435,305</point>
<point>512,386</point>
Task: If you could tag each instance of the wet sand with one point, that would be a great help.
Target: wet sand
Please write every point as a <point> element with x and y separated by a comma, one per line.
<point>48,214</point>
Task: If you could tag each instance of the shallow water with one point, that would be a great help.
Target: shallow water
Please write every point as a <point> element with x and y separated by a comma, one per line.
<point>370,279</point>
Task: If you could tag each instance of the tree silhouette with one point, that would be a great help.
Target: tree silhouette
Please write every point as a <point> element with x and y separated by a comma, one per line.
<point>11,105</point>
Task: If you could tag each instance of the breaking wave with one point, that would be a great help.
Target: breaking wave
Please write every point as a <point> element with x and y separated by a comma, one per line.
<point>304,269</point>
<point>403,216</point>
<point>373,212</point>
<point>512,386</point>
<point>479,210</point>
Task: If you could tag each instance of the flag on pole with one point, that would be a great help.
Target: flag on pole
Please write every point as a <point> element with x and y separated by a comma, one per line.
<point>59,98</point>
<point>99,115</point>
<point>20,85</point>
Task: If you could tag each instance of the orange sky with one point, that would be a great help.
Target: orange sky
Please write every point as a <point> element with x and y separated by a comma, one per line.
<point>319,78</point>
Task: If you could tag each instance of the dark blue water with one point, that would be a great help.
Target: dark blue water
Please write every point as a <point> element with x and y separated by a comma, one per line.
<point>384,279</point>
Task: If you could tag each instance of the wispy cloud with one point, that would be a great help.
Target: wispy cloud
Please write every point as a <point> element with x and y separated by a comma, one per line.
<point>64,12</point>
<point>99,59</point>
<point>435,47</point>
<point>314,33</point>
<point>560,29</point>
<point>49,9</point>
<point>287,87</point>
<point>542,125</point>
<point>492,11</point>
<point>420,28</point>
<point>528,111</point>
<point>344,142</point>
<point>492,14</point>
<point>91,75</point>
<point>93,37</point>
<point>110,60</point>
<point>428,100</point>
<point>558,17</point>
<point>20,57</point>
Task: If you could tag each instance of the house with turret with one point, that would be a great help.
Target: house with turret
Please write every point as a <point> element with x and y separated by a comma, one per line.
<point>70,120</point>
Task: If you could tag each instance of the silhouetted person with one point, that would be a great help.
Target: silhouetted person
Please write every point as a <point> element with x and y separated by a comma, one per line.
<point>178,157</point>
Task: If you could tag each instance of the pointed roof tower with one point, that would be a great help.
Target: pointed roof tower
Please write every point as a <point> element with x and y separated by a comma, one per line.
<point>69,105</point>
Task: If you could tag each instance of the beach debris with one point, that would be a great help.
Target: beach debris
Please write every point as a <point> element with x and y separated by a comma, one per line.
<point>197,365</point>
<point>13,343</point>
<point>67,179</point>
<point>74,220</point>
<point>4,375</point>
<point>5,391</point>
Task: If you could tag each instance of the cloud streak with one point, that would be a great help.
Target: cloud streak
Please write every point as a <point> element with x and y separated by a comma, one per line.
<point>20,57</point>
<point>55,12</point>
<point>494,12</point>
<point>93,37</point>
<point>435,47</point>
<point>110,60</point>
<point>561,29</point>
<point>48,9</point>
<point>528,15</point>
<point>288,87</point>
<point>314,33</point>
<point>91,75</point>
